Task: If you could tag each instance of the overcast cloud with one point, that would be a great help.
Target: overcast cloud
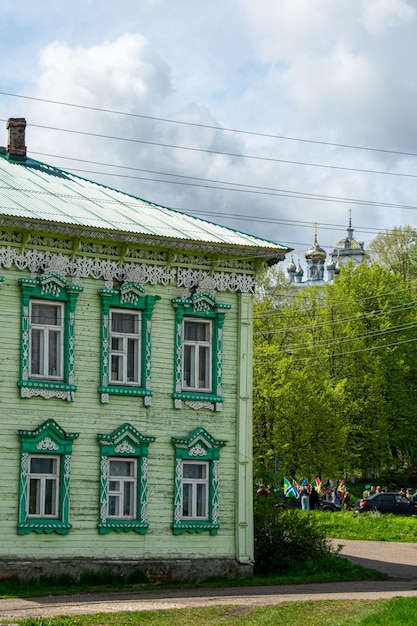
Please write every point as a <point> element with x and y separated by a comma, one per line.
<point>311,70</point>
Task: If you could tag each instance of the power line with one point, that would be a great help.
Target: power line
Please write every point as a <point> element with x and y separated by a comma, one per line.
<point>242,187</point>
<point>209,126</point>
<point>367,349</point>
<point>335,341</point>
<point>220,152</point>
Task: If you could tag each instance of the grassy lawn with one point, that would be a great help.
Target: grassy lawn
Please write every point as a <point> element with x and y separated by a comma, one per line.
<point>371,527</point>
<point>397,611</point>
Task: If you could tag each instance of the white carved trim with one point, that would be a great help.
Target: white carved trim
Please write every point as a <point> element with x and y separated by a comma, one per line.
<point>46,444</point>
<point>197,451</point>
<point>200,405</point>
<point>86,267</point>
<point>124,447</point>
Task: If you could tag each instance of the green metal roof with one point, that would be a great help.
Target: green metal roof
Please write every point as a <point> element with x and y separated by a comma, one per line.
<point>42,193</point>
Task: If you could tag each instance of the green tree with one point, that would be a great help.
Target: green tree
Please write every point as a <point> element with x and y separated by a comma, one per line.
<point>396,251</point>
<point>335,386</point>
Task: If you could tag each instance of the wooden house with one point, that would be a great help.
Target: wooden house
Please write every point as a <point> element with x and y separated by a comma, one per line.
<point>125,380</point>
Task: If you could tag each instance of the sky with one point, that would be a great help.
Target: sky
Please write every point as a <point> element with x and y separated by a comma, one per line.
<point>273,117</point>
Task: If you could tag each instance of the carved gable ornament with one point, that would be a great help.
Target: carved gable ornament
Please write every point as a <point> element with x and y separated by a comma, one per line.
<point>125,441</point>
<point>198,444</point>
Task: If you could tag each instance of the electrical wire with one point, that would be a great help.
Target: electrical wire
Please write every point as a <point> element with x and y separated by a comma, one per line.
<point>220,152</point>
<point>208,126</point>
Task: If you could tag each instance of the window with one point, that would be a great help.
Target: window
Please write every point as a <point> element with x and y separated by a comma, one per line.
<point>124,480</point>
<point>47,366</point>
<point>125,347</point>
<point>45,468</point>
<point>126,342</point>
<point>46,324</point>
<point>121,500</point>
<point>197,355</point>
<point>198,351</point>
<point>43,486</point>
<point>196,491</point>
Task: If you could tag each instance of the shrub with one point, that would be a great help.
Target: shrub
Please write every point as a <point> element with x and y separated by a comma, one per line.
<point>284,537</point>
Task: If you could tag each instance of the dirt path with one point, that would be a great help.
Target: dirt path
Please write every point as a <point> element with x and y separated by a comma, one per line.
<point>397,560</point>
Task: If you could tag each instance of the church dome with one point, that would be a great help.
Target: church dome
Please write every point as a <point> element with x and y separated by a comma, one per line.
<point>291,267</point>
<point>315,253</point>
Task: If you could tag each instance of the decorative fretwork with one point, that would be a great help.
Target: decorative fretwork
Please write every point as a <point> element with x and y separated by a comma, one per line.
<point>201,305</point>
<point>124,442</point>
<point>48,439</point>
<point>51,286</point>
<point>79,267</point>
<point>199,445</point>
<point>130,296</point>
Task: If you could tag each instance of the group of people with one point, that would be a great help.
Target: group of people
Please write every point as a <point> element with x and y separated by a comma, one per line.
<point>310,498</point>
<point>371,490</point>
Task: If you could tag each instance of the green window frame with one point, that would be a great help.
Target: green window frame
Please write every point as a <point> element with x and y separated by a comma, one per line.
<point>124,443</point>
<point>130,297</point>
<point>49,441</point>
<point>50,288</point>
<point>198,449</point>
<point>201,307</point>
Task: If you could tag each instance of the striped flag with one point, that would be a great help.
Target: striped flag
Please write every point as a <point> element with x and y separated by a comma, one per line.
<point>289,490</point>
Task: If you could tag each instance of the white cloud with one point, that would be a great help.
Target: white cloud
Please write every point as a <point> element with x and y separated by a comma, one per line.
<point>310,69</point>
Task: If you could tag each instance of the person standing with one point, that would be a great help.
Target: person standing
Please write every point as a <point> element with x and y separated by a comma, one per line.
<point>314,499</point>
<point>305,499</point>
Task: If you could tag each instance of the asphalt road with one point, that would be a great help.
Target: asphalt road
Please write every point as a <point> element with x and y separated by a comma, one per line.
<point>398,560</point>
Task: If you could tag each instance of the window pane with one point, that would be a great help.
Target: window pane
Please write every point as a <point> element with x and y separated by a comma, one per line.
<point>42,465</point>
<point>194,470</point>
<point>187,510</point>
<point>37,339</point>
<point>201,509</point>
<point>54,365</point>
<point>132,360</point>
<point>129,499</point>
<point>48,314</point>
<point>189,361</point>
<point>116,367</point>
<point>125,323</point>
<point>34,496</point>
<point>114,506</point>
<point>117,343</point>
<point>204,367</point>
<point>121,468</point>
<point>50,496</point>
<point>196,331</point>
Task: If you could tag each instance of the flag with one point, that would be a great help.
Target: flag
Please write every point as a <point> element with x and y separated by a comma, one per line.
<point>296,484</point>
<point>317,484</point>
<point>289,490</point>
<point>342,486</point>
<point>304,482</point>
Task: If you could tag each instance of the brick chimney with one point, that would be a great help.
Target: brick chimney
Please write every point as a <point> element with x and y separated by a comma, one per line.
<point>16,139</point>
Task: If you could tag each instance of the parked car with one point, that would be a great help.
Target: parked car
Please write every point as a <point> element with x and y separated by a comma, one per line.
<point>387,502</point>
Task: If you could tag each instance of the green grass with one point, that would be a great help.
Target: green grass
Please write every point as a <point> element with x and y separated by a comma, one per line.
<point>368,526</point>
<point>312,613</point>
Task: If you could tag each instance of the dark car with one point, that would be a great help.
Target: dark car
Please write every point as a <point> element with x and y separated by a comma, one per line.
<point>387,502</point>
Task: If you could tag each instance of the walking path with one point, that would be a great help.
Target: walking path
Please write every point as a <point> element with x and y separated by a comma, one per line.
<point>395,559</point>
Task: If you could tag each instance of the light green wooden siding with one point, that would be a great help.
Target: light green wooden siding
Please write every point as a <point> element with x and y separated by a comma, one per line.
<point>88,417</point>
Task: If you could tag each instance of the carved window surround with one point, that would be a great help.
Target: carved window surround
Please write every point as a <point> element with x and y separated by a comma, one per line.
<point>53,287</point>
<point>130,296</point>
<point>124,442</point>
<point>199,445</point>
<point>202,305</point>
<point>48,438</point>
